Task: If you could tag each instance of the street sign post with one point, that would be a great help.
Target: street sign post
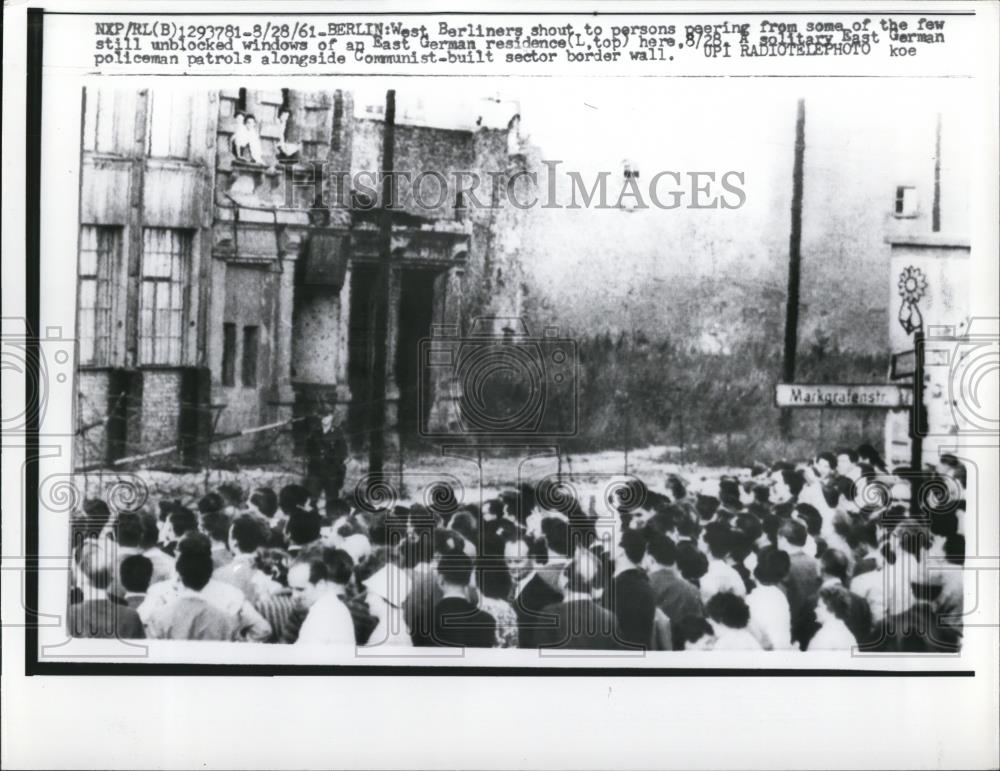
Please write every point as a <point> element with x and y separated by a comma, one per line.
<point>886,396</point>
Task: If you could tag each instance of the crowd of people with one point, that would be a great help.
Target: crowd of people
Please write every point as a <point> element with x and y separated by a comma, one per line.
<point>825,554</point>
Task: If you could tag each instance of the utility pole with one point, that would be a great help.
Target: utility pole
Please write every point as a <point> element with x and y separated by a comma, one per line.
<point>794,261</point>
<point>376,428</point>
<point>936,206</point>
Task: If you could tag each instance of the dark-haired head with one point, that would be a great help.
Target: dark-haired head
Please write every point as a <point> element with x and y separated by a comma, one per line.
<point>211,502</point>
<point>692,563</point>
<point>455,569</point>
<point>691,630</point>
<point>195,569</point>
<point>136,572</point>
<point>660,548</point>
<point>834,563</point>
<point>493,578</point>
<point>729,610</point>
<point>773,565</point>
<point>248,534</point>
<point>265,500</point>
<point>794,532</point>
<point>128,529</point>
<point>633,545</point>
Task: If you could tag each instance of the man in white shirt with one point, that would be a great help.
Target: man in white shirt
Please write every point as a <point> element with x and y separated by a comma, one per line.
<point>721,577</point>
<point>770,618</point>
<point>328,621</point>
<point>729,616</point>
<point>251,626</point>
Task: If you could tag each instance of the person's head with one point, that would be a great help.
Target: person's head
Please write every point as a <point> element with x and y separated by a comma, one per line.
<point>454,571</point>
<point>954,549</point>
<point>676,487</point>
<point>232,495</point>
<point>463,522</point>
<point>215,525</point>
<point>304,527</point>
<point>251,120</point>
<point>582,574</point>
<point>518,558</point>
<point>95,566</point>
<point>718,539</point>
<point>339,565</point>
<point>136,572</point>
<point>273,563</point>
<point>180,522</point>
<point>847,461</point>
<point>194,566</point>
<point>727,610</point>
<point>826,463</point>
<point>210,503</point>
<point>834,602</point>
<point>869,455</point>
<point>293,498</point>
<point>810,517</point>
<point>494,578</point>
<point>556,533</point>
<point>772,566</point>
<point>691,563</point>
<point>834,564</point>
<point>951,466</point>
<point>914,540</point>
<point>787,484</point>
<point>944,524</point>
<point>631,548</point>
<point>246,534</point>
<point>661,550</point>
<point>128,529</point>
<point>729,493</point>
<point>309,579</point>
<point>264,501</point>
<point>792,535</point>
<point>693,633</point>
<point>150,530</point>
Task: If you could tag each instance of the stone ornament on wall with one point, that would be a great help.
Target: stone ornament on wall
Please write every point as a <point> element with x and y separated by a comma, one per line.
<point>912,287</point>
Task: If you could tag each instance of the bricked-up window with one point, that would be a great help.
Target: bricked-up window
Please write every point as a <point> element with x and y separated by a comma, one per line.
<point>166,255</point>
<point>99,247</point>
<point>250,340</point>
<point>169,123</point>
<point>228,354</point>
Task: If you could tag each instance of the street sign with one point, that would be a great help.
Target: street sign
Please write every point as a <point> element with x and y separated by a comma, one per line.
<point>815,395</point>
<point>904,364</point>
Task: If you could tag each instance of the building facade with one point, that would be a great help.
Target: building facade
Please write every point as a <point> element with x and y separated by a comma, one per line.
<point>227,261</point>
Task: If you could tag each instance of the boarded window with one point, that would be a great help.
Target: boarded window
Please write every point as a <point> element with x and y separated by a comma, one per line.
<point>166,255</point>
<point>109,121</point>
<point>250,341</point>
<point>228,354</point>
<point>169,124</point>
<point>98,255</point>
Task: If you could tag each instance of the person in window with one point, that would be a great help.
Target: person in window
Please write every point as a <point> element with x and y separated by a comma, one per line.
<point>287,151</point>
<point>246,141</point>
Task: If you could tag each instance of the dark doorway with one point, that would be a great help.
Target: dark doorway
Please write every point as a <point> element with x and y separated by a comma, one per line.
<point>416,309</point>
